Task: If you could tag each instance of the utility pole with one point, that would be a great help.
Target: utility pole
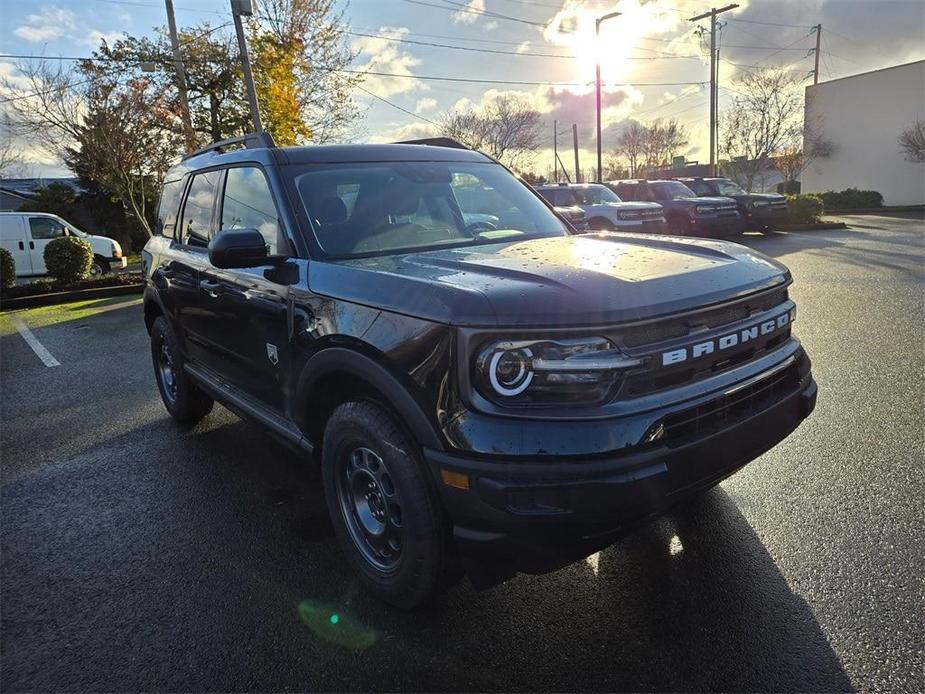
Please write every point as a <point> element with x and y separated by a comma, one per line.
<point>245,8</point>
<point>714,71</point>
<point>555,150</point>
<point>188,133</point>
<point>597,82</point>
<point>575,146</point>
<point>818,30</point>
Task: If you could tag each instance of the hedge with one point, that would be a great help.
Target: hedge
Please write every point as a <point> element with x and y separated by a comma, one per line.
<point>851,199</point>
<point>50,285</point>
<point>69,258</point>
<point>803,209</point>
<point>7,269</point>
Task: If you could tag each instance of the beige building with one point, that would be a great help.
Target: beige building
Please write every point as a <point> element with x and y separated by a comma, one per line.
<point>861,117</point>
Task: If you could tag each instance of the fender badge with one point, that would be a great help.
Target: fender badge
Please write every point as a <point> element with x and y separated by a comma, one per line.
<point>272,354</point>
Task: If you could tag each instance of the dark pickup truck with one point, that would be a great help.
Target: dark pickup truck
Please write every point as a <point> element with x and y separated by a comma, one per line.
<point>760,210</point>
<point>484,390</point>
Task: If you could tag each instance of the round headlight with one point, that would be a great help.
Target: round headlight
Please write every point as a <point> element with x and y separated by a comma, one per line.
<point>509,371</point>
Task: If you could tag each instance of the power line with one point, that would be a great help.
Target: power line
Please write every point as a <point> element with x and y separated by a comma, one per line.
<point>400,108</point>
<point>769,24</point>
<point>469,10</point>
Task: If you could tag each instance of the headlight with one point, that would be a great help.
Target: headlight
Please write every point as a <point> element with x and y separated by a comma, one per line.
<point>116,250</point>
<point>628,216</point>
<point>705,209</point>
<point>548,372</point>
<point>759,203</point>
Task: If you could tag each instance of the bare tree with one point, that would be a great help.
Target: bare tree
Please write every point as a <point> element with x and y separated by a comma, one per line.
<point>912,142</point>
<point>11,160</point>
<point>631,145</point>
<point>663,139</point>
<point>764,117</point>
<point>506,128</point>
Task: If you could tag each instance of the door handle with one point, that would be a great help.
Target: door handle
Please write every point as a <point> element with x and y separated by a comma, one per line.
<point>213,289</point>
<point>22,246</point>
<point>32,245</point>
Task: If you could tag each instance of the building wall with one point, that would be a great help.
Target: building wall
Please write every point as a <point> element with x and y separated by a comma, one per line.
<point>862,116</point>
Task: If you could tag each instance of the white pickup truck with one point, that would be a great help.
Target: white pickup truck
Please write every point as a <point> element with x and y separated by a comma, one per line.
<point>25,235</point>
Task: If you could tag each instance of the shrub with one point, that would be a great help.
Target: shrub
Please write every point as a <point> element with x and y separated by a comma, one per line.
<point>804,209</point>
<point>852,199</point>
<point>69,258</point>
<point>7,269</point>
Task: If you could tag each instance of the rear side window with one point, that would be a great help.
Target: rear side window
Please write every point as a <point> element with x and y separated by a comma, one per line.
<point>248,204</point>
<point>700,187</point>
<point>45,228</point>
<point>196,229</point>
<point>167,210</point>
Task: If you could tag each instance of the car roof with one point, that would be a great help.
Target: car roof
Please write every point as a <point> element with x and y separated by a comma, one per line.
<point>328,154</point>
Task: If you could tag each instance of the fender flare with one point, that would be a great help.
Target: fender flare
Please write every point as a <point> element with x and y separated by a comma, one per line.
<point>331,359</point>
<point>150,296</point>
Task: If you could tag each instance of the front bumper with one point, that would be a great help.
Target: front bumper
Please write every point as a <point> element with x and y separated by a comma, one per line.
<point>764,217</point>
<point>115,263</point>
<point>650,226</point>
<point>537,516</point>
<point>717,226</point>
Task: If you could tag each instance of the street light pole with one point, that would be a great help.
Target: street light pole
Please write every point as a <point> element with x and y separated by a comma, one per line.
<point>597,84</point>
<point>245,8</point>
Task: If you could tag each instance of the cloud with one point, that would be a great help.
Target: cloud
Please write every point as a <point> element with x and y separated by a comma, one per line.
<point>471,13</point>
<point>395,132</point>
<point>383,55</point>
<point>524,47</point>
<point>95,37</point>
<point>425,104</point>
<point>50,23</point>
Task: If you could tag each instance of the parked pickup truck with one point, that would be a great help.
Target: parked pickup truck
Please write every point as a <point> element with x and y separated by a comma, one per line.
<point>760,210</point>
<point>687,214</point>
<point>25,235</point>
<point>604,210</point>
<point>490,397</point>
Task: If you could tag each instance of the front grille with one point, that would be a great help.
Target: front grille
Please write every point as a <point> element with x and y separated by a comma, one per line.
<point>710,318</point>
<point>726,410</point>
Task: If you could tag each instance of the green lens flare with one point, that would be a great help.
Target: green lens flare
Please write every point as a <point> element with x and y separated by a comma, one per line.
<point>336,628</point>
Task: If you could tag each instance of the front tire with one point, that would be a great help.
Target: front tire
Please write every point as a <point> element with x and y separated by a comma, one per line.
<point>183,399</point>
<point>99,267</point>
<point>601,224</point>
<point>384,509</point>
<point>677,226</point>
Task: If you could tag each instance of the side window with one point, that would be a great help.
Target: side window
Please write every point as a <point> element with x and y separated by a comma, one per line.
<point>196,228</point>
<point>564,198</point>
<point>699,187</point>
<point>248,204</point>
<point>167,210</point>
<point>45,228</point>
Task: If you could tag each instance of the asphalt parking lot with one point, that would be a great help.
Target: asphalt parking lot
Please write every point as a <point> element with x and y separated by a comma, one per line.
<point>138,555</point>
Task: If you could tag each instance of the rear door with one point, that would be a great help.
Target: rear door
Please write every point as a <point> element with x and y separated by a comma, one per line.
<point>244,310</point>
<point>13,238</point>
<point>42,231</point>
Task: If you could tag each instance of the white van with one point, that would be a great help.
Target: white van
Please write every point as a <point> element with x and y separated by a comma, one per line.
<point>25,235</point>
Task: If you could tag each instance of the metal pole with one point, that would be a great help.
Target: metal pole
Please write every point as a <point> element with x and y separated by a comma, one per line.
<point>555,150</point>
<point>713,74</point>
<point>188,133</point>
<point>575,146</point>
<point>597,84</point>
<point>246,65</point>
<point>818,41</point>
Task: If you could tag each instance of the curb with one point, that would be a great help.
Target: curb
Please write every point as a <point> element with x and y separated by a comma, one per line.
<point>820,226</point>
<point>878,210</point>
<point>75,295</point>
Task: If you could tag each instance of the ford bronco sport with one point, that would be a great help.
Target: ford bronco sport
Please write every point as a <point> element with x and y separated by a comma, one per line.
<point>482,396</point>
<point>760,210</point>
<point>605,211</point>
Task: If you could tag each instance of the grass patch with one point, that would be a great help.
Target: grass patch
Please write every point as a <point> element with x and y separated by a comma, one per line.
<point>43,316</point>
<point>49,285</point>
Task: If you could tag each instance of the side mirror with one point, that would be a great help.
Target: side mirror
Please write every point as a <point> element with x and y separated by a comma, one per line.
<point>236,248</point>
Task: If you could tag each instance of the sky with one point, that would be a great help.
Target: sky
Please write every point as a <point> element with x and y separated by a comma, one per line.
<point>654,64</point>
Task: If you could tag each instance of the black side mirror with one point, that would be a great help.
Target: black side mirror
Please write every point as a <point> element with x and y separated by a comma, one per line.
<point>235,248</point>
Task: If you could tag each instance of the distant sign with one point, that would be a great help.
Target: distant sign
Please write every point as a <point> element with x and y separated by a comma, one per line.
<point>677,163</point>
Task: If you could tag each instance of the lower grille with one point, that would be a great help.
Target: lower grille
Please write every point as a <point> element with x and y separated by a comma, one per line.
<point>720,413</point>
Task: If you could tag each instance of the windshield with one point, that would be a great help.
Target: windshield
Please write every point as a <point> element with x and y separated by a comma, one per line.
<point>729,188</point>
<point>77,232</point>
<point>595,195</point>
<point>390,207</point>
<point>671,190</point>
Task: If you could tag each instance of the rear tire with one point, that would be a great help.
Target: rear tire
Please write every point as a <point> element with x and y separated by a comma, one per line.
<point>677,226</point>
<point>383,506</point>
<point>184,400</point>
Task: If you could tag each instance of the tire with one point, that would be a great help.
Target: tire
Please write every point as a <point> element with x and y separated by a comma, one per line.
<point>383,506</point>
<point>184,400</point>
<point>99,267</point>
<point>677,226</point>
<point>601,224</point>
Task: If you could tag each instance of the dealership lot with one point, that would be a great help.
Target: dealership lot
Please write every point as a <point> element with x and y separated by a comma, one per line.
<point>139,555</point>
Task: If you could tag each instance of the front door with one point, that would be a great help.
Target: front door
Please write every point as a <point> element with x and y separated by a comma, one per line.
<point>244,310</point>
<point>42,231</point>
<point>13,238</point>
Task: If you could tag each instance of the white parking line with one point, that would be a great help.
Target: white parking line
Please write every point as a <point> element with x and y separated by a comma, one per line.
<point>33,342</point>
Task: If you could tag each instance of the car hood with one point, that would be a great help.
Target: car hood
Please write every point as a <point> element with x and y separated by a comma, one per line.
<point>590,279</point>
<point>710,200</point>
<point>631,205</point>
<point>764,197</point>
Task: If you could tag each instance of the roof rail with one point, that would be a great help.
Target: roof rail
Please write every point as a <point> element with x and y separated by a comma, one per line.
<point>436,142</point>
<point>250,141</point>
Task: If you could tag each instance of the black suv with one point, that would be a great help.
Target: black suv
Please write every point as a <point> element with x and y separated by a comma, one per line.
<point>760,210</point>
<point>686,213</point>
<point>488,396</point>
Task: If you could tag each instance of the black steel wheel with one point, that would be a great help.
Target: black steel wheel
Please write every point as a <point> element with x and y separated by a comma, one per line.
<point>184,400</point>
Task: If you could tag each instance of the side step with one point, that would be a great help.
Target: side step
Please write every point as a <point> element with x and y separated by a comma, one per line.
<point>243,405</point>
